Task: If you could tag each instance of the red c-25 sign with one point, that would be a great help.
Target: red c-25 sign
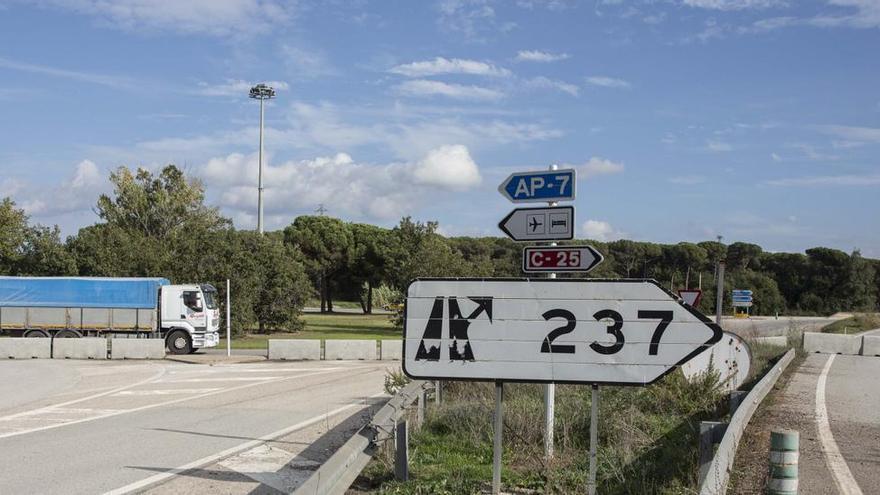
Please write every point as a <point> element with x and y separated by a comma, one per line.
<point>560,259</point>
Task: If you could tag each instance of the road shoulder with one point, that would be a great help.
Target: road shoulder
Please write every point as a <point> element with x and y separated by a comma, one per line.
<point>791,405</point>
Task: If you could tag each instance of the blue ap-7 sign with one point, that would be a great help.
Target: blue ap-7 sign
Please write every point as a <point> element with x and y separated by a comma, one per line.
<point>543,186</point>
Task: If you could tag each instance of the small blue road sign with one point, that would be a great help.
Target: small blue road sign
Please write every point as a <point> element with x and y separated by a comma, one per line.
<point>544,186</point>
<point>742,297</point>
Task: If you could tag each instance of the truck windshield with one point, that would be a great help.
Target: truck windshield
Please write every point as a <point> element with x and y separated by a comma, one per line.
<point>211,299</point>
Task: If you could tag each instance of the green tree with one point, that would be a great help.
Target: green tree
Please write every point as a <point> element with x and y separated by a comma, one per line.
<point>44,254</point>
<point>13,233</point>
<point>327,244</point>
<point>370,259</point>
<point>158,206</point>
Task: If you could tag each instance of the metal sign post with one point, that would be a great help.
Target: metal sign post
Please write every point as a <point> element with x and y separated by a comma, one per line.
<point>228,321</point>
<point>719,294</point>
<point>496,446</point>
<point>594,438</point>
<point>550,388</point>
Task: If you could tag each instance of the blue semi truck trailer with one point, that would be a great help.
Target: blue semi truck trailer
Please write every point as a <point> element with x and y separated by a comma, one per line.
<point>186,316</point>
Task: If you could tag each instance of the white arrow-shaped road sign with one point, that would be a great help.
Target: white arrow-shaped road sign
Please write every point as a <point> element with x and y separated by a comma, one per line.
<point>627,332</point>
<point>539,224</point>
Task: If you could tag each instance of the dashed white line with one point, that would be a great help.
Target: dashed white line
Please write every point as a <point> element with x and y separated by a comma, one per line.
<point>836,463</point>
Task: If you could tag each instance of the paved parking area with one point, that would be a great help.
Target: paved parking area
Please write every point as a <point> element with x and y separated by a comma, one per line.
<point>96,427</point>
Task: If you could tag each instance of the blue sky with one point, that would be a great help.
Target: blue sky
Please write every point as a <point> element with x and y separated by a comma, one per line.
<point>758,120</point>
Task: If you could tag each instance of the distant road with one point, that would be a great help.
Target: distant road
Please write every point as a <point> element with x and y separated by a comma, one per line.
<point>86,427</point>
<point>768,326</point>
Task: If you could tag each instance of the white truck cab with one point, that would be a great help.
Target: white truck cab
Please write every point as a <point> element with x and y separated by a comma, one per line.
<point>189,317</point>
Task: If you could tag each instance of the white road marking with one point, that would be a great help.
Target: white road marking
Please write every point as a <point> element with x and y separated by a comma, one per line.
<point>229,379</point>
<point>204,461</point>
<point>159,404</point>
<point>271,466</point>
<point>836,463</point>
<point>83,399</point>
<point>266,369</point>
<point>174,391</point>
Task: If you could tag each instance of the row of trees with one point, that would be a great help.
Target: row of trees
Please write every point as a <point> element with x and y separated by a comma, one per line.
<point>158,225</point>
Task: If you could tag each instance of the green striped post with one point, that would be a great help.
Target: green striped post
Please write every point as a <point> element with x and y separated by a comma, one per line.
<point>783,463</point>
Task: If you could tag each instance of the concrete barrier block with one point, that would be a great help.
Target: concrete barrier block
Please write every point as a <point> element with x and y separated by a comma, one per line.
<point>19,348</point>
<point>392,350</point>
<point>84,348</point>
<point>294,349</point>
<point>780,340</point>
<point>871,345</point>
<point>350,349</point>
<point>137,349</point>
<point>830,343</point>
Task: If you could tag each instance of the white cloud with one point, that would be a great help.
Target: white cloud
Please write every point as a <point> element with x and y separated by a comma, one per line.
<point>542,82</point>
<point>358,190</point>
<point>540,56</point>
<point>688,180</point>
<point>442,65</point>
<point>425,87</point>
<point>853,133</point>
<point>608,82</point>
<point>235,87</point>
<point>734,4</point>
<point>213,17</point>
<point>600,231</point>
<point>775,157</point>
<point>448,166</point>
<point>718,146</point>
<point>864,14</point>
<point>306,63</point>
<point>474,19</point>
<point>828,181</point>
<point>323,128</point>
<point>88,77</point>
<point>76,194</point>
<point>596,166</point>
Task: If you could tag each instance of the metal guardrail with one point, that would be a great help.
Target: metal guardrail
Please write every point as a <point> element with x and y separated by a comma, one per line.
<point>343,467</point>
<point>718,476</point>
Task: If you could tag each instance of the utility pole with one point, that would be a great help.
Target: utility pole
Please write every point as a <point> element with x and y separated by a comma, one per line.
<point>261,92</point>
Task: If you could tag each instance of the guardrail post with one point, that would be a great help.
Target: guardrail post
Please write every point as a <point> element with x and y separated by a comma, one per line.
<point>401,454</point>
<point>736,398</point>
<point>711,432</point>
<point>420,411</point>
<point>438,392</point>
<point>783,462</point>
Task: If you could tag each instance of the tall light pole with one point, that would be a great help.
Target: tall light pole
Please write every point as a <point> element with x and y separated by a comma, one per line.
<point>261,92</point>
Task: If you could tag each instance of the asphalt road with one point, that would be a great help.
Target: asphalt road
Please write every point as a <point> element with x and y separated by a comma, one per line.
<point>834,403</point>
<point>769,326</point>
<point>95,427</point>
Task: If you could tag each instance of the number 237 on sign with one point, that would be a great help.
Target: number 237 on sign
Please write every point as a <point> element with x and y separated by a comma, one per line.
<point>576,331</point>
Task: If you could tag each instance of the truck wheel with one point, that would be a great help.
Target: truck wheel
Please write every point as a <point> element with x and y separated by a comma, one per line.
<point>179,342</point>
<point>39,334</point>
<point>67,334</point>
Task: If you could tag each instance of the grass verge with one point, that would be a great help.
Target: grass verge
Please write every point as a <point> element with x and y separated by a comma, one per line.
<point>855,324</point>
<point>327,326</point>
<point>648,440</point>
